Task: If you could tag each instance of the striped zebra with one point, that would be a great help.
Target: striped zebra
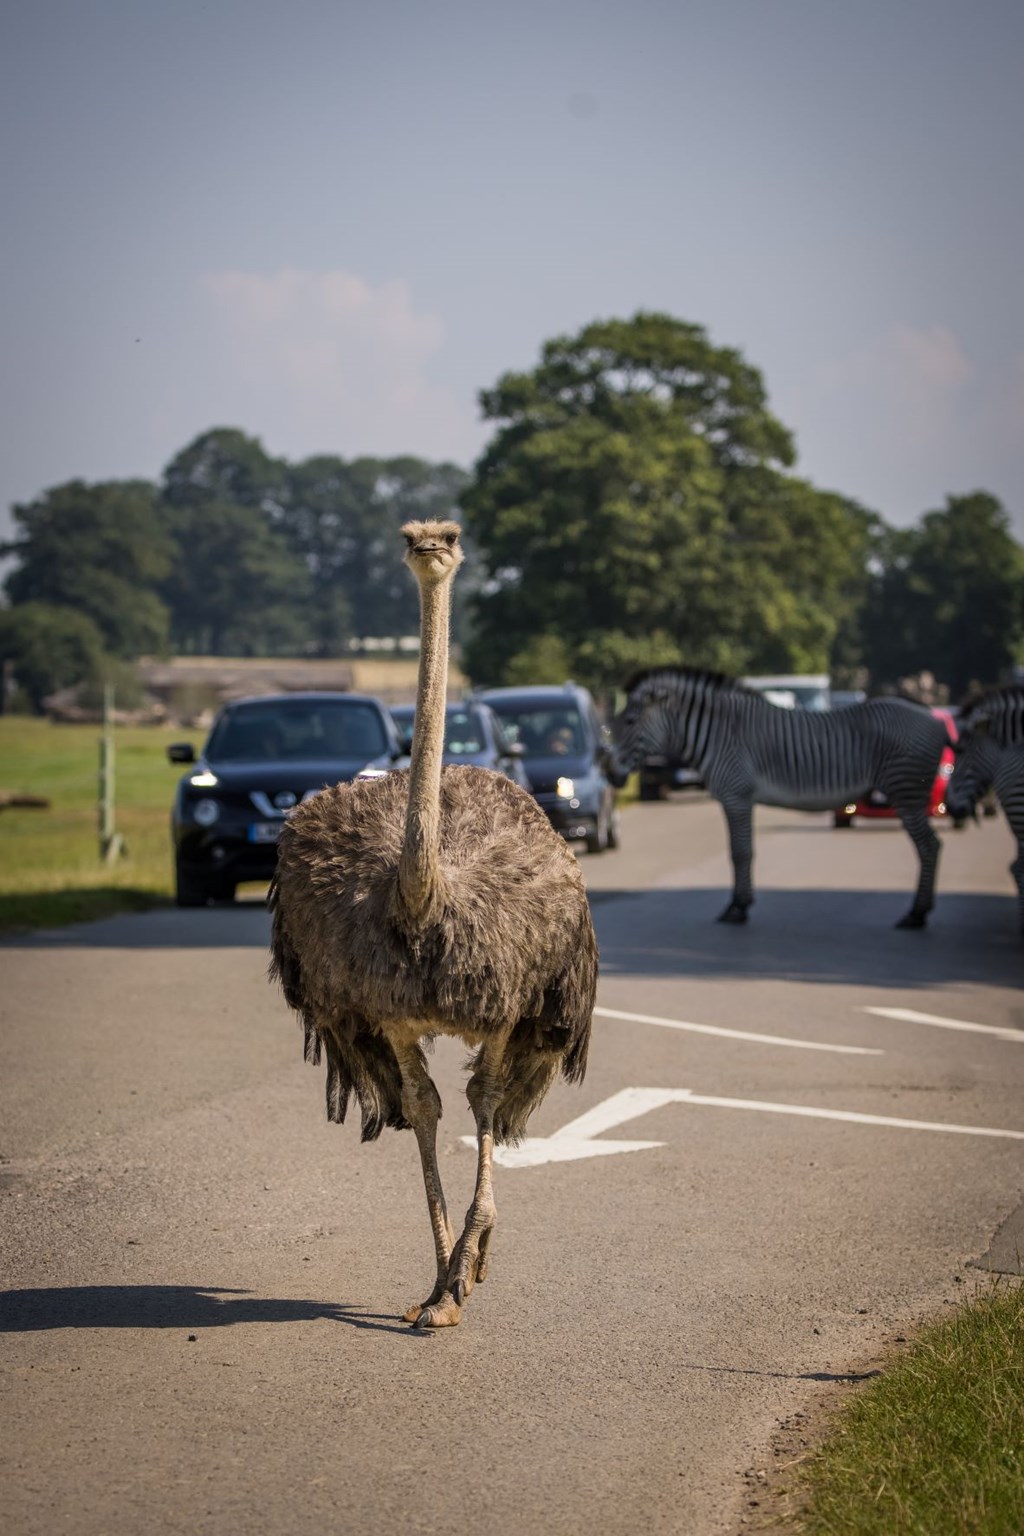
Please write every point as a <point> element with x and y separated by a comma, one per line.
<point>990,755</point>
<point>749,751</point>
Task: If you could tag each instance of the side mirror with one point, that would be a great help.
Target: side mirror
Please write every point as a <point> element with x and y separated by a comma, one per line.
<point>181,752</point>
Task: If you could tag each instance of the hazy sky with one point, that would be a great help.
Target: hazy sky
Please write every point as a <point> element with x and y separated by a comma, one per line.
<point>331,224</point>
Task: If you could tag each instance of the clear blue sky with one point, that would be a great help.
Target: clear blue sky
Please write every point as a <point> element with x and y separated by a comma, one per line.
<point>331,224</point>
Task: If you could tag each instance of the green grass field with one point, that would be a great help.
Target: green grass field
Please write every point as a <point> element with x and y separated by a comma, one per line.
<point>934,1446</point>
<point>50,867</point>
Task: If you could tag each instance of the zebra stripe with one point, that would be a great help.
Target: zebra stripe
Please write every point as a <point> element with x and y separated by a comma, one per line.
<point>990,755</point>
<point>749,751</point>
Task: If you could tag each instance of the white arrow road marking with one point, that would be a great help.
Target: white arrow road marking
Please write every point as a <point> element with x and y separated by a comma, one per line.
<point>575,1140</point>
<point>910,1017</point>
<point>738,1034</point>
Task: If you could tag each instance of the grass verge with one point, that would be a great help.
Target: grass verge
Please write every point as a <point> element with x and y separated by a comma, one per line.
<point>935,1445</point>
<point>51,872</point>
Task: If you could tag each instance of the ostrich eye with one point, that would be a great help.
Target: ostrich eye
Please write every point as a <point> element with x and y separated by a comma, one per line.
<point>450,538</point>
<point>409,541</point>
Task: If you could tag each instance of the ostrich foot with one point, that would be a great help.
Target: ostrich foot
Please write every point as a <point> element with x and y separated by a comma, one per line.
<point>440,1310</point>
<point>913,920</point>
<point>734,913</point>
<point>470,1258</point>
<point>415,1312</point>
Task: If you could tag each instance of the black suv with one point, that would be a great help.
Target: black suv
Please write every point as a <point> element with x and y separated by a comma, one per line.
<point>567,754</point>
<point>263,757</point>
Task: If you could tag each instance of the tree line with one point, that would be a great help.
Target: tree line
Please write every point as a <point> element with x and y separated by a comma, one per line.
<point>636,504</point>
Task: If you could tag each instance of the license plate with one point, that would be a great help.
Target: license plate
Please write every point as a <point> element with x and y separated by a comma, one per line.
<point>264,831</point>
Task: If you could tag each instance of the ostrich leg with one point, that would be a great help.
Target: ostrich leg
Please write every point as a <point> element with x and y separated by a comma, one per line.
<point>421,1106</point>
<point>468,1262</point>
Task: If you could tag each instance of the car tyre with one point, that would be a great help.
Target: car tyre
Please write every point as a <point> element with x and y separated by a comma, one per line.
<point>614,828</point>
<point>649,790</point>
<point>597,841</point>
<point>188,891</point>
<point>841,819</point>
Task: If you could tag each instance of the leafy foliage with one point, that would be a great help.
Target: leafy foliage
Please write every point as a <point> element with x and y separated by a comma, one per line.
<point>342,521</point>
<point>636,505</point>
<point>99,549</point>
<point>50,647</point>
<point>635,490</point>
<point>947,594</point>
<point>235,587</point>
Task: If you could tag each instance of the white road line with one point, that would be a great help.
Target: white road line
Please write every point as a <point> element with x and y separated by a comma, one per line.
<point>909,1016</point>
<point>738,1034</point>
<point>851,1115</point>
<point>576,1139</point>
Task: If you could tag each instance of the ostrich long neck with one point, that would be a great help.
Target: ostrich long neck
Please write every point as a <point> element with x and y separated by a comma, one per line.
<point>418,867</point>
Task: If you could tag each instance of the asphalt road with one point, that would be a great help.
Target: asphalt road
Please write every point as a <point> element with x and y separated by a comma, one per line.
<point>203,1279</point>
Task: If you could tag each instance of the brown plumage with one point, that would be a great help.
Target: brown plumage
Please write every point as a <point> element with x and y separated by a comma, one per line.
<point>435,902</point>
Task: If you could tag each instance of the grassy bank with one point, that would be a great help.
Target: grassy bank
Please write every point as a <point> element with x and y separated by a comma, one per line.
<point>50,868</point>
<point>934,1446</point>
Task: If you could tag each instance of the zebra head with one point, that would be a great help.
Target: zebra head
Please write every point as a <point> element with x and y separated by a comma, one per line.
<point>976,753</point>
<point>666,714</point>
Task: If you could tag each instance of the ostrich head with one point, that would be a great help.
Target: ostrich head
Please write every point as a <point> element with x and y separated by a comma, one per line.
<point>433,553</point>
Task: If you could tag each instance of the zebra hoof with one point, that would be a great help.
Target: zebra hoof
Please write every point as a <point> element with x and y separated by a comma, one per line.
<point>913,920</point>
<point>733,913</point>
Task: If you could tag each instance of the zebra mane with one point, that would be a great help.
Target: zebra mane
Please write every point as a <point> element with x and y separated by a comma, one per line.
<point>721,681</point>
<point>1002,708</point>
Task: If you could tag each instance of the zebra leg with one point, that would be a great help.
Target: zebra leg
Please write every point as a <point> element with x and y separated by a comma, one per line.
<point>740,818</point>
<point>928,846</point>
<point>1017,871</point>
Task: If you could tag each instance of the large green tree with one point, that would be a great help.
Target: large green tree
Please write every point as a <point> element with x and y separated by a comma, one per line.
<point>235,587</point>
<point>98,549</point>
<point>947,596</point>
<point>634,506</point>
<point>343,520</point>
<point>50,647</point>
<point>225,465</point>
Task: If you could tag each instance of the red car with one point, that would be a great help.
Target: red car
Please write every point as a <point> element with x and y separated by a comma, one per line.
<point>875,803</point>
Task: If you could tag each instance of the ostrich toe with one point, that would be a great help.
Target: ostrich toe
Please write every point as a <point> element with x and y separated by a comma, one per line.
<point>443,1313</point>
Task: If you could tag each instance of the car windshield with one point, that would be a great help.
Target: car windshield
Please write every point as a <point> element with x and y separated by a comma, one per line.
<point>463,730</point>
<point>463,733</point>
<point>296,730</point>
<point>549,730</point>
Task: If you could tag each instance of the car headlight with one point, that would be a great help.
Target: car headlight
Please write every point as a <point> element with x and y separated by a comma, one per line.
<point>205,812</point>
<point>565,788</point>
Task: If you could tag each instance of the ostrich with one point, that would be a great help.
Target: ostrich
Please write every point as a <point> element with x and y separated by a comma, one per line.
<point>435,902</point>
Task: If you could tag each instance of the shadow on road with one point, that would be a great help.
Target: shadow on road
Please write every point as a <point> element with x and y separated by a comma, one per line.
<point>744,1370</point>
<point>823,935</point>
<point>244,923</point>
<point>173,1306</point>
<point>836,936</point>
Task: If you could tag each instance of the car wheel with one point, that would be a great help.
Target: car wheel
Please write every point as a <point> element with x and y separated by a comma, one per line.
<point>597,841</point>
<point>188,891</point>
<point>614,828</point>
<point>841,819</point>
<point>649,790</point>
